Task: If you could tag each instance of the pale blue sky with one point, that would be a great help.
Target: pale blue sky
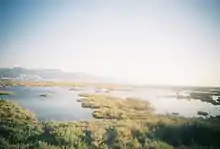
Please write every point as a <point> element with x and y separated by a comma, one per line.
<point>152,42</point>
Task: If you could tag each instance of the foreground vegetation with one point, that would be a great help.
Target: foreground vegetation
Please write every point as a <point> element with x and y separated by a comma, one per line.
<point>119,124</point>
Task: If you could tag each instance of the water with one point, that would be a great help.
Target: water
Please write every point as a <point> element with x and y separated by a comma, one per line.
<point>62,105</point>
<point>168,105</point>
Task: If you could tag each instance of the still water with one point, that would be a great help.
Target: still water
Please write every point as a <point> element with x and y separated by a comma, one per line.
<point>168,105</point>
<point>62,105</point>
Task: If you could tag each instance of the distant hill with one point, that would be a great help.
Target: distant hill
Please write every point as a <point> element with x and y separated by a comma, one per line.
<point>20,73</point>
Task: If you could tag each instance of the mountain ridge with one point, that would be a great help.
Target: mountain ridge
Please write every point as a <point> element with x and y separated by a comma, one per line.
<point>20,73</point>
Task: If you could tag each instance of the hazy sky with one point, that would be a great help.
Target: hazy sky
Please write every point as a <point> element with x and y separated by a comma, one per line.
<point>159,42</point>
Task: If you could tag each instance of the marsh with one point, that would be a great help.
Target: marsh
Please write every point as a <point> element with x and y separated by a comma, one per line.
<point>61,104</point>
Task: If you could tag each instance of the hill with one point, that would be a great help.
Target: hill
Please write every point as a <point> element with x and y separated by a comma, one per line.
<point>19,73</point>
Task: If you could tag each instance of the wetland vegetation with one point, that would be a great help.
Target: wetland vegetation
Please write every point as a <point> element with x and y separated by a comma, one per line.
<point>5,93</point>
<point>73,85</point>
<point>108,107</point>
<point>119,124</point>
<point>204,96</point>
<point>45,95</point>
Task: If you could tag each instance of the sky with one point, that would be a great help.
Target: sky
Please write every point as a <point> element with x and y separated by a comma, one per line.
<point>174,42</point>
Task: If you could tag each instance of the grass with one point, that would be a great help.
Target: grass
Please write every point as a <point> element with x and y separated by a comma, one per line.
<point>108,107</point>
<point>16,123</point>
<point>6,93</point>
<point>205,97</point>
<point>45,95</point>
<point>203,113</point>
<point>107,86</point>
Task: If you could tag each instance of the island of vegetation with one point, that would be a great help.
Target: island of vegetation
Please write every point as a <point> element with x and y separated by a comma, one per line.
<point>75,89</point>
<point>203,113</point>
<point>204,96</point>
<point>6,93</point>
<point>45,95</point>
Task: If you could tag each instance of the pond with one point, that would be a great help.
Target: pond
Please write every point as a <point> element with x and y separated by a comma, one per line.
<point>62,105</point>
